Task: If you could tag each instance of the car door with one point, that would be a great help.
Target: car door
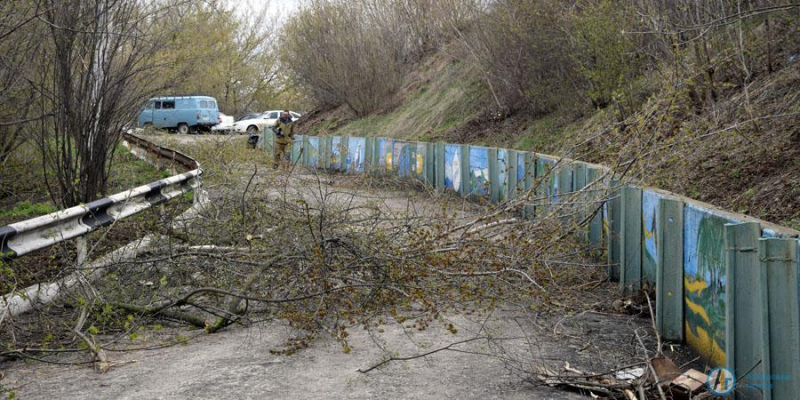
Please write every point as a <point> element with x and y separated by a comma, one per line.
<point>158,115</point>
<point>146,115</point>
<point>168,114</point>
<point>269,119</point>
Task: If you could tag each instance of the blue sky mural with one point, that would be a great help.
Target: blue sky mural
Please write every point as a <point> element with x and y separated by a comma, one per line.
<point>355,154</point>
<point>452,167</point>
<point>649,239</point>
<point>478,170</point>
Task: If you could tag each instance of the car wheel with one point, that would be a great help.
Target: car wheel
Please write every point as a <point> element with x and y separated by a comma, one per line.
<point>183,129</point>
<point>252,130</point>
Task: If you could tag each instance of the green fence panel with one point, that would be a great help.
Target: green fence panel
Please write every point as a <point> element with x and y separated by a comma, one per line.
<point>780,317</point>
<point>669,270</point>
<point>631,240</point>
<point>596,223</point>
<point>439,166</point>
<point>743,307</point>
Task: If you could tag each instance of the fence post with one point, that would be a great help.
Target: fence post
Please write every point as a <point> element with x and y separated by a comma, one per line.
<point>780,317</point>
<point>743,307</point>
<point>631,240</point>
<point>669,270</point>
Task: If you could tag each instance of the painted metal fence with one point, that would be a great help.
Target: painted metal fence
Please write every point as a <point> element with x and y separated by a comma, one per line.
<point>725,283</point>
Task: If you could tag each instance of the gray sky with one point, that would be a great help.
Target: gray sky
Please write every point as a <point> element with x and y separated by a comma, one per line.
<point>275,6</point>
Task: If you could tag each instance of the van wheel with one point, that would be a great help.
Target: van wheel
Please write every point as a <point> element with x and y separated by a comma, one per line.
<point>183,129</point>
<point>147,125</point>
<point>252,130</point>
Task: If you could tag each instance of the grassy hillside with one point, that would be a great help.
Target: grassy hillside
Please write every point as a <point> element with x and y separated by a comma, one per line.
<point>743,154</point>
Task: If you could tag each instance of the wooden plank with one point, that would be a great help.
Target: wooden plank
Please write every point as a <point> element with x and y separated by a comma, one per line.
<point>669,270</point>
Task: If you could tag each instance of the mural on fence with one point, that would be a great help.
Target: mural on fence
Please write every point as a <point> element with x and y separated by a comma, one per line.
<point>336,151</point>
<point>387,153</point>
<point>452,167</point>
<point>704,282</point>
<point>478,170</point>
<point>521,172</point>
<point>404,156</point>
<point>313,151</point>
<point>355,154</point>
<point>419,161</point>
<point>502,171</point>
<point>649,239</point>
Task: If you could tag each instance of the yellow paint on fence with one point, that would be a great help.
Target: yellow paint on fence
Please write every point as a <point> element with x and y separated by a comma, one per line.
<point>705,345</point>
<point>699,310</point>
<point>695,286</point>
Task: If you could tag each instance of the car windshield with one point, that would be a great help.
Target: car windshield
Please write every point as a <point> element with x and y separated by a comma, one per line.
<point>248,116</point>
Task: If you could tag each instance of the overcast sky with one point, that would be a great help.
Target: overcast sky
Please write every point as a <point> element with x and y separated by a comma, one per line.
<point>275,6</point>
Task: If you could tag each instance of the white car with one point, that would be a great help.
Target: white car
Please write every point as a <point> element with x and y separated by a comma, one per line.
<point>254,123</point>
<point>225,124</point>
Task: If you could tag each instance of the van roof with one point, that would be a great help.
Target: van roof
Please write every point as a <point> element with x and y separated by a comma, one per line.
<point>183,97</point>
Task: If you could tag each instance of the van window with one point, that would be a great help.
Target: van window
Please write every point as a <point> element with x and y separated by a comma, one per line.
<point>212,105</point>
<point>202,104</point>
<point>158,105</point>
<point>168,105</point>
<point>149,105</point>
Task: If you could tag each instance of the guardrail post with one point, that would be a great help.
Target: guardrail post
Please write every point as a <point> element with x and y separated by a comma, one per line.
<point>511,174</point>
<point>631,240</point>
<point>669,269</point>
<point>494,175</point>
<point>743,307</point>
<point>780,317</point>
<point>465,172</point>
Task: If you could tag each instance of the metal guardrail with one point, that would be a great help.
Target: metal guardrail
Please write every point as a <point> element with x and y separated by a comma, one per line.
<point>21,238</point>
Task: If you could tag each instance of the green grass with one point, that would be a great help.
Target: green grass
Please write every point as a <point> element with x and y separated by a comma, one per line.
<point>26,209</point>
